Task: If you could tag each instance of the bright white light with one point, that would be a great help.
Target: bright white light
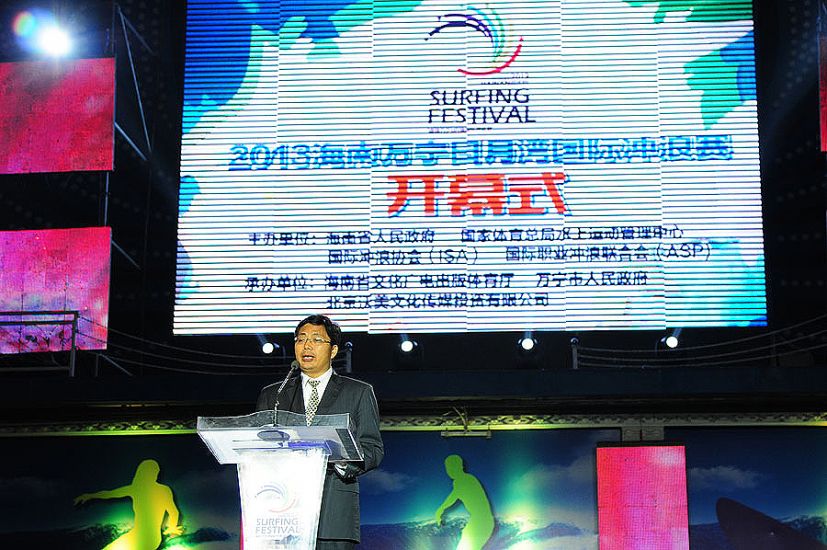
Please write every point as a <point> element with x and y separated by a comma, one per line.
<point>268,348</point>
<point>671,342</point>
<point>406,346</point>
<point>54,41</point>
<point>527,343</point>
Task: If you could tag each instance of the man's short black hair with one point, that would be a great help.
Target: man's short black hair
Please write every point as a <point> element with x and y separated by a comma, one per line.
<point>334,332</point>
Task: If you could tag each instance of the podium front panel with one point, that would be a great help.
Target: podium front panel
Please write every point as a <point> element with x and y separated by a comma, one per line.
<point>281,494</point>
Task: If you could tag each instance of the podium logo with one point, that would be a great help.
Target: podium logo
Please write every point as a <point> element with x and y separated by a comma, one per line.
<point>276,498</point>
<point>504,48</point>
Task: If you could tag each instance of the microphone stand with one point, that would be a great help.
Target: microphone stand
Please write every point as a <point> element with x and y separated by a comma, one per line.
<point>293,366</point>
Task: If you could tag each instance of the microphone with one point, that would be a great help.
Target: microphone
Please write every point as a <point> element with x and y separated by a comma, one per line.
<point>293,366</point>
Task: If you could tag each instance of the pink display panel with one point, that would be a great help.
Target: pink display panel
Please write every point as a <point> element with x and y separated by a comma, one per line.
<point>822,80</point>
<point>57,116</point>
<point>47,273</point>
<point>641,498</point>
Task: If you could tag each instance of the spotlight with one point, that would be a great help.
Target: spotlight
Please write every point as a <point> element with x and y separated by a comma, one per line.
<point>267,347</point>
<point>54,41</point>
<point>528,342</point>
<point>409,354</point>
<point>673,340</point>
<point>38,30</point>
<point>406,344</point>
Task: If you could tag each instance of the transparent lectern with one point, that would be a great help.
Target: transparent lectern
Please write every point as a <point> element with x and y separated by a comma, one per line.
<point>281,468</point>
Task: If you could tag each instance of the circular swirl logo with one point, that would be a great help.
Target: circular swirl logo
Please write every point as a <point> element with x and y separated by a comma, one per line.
<point>276,497</point>
<point>504,49</point>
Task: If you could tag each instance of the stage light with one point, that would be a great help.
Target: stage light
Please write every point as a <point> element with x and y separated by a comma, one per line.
<point>54,41</point>
<point>673,340</point>
<point>528,342</point>
<point>406,344</point>
<point>38,31</point>
<point>409,353</point>
<point>267,347</point>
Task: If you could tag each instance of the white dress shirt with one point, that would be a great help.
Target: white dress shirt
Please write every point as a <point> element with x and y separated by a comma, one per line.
<point>307,388</point>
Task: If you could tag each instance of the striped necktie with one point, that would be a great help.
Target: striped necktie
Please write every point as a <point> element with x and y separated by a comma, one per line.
<point>313,402</point>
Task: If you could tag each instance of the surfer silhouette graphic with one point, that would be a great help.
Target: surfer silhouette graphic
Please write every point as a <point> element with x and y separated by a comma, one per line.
<point>468,490</point>
<point>151,503</point>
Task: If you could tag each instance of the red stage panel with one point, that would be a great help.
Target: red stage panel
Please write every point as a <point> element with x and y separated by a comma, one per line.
<point>57,116</point>
<point>822,86</point>
<point>54,270</point>
<point>641,498</point>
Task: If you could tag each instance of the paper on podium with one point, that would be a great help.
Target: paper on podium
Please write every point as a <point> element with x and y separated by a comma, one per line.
<point>228,437</point>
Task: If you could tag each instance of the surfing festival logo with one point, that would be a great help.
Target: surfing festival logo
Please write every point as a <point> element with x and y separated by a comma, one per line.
<point>277,498</point>
<point>504,49</point>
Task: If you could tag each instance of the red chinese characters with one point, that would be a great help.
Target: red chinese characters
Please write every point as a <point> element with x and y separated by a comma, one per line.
<point>479,194</point>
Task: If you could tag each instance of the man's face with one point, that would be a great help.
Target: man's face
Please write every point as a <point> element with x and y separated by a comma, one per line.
<point>314,351</point>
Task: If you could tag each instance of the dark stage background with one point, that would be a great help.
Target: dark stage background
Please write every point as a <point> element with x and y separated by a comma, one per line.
<point>746,380</point>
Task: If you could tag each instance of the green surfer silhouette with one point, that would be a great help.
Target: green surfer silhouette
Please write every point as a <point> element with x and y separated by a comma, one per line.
<point>151,501</point>
<point>468,490</point>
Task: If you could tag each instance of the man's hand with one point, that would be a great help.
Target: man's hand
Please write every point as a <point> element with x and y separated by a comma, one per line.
<point>346,471</point>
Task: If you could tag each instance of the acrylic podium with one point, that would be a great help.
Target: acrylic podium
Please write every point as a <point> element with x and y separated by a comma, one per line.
<point>281,469</point>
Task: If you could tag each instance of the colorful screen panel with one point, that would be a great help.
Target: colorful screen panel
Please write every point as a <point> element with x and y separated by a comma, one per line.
<point>437,166</point>
<point>822,72</point>
<point>57,116</point>
<point>47,273</point>
<point>641,498</point>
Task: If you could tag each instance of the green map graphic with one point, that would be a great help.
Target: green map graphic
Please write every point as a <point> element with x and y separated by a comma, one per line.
<point>725,77</point>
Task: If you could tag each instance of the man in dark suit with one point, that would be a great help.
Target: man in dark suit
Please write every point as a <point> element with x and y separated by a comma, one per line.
<point>319,390</point>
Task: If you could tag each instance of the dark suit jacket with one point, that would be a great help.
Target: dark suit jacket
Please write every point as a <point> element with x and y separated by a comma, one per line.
<point>339,518</point>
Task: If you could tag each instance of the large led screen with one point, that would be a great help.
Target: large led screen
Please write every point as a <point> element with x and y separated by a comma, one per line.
<point>44,276</point>
<point>57,116</point>
<point>439,166</point>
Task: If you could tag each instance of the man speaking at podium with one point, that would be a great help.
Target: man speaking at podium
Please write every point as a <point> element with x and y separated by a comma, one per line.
<point>319,390</point>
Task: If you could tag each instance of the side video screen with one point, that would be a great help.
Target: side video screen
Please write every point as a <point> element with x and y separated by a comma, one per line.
<point>46,274</point>
<point>57,116</point>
